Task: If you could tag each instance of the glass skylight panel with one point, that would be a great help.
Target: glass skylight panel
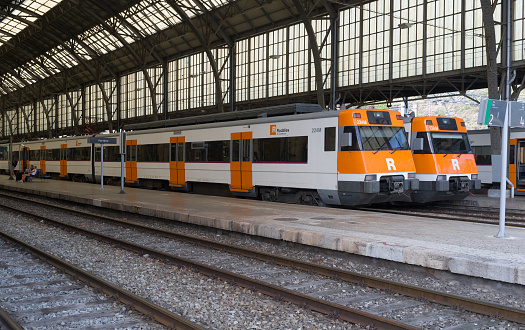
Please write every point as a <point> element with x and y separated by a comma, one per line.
<point>150,17</point>
<point>11,83</point>
<point>212,4</point>
<point>38,70</point>
<point>50,65</point>
<point>63,57</point>
<point>100,40</point>
<point>14,26</point>
<point>28,77</point>
<point>40,6</point>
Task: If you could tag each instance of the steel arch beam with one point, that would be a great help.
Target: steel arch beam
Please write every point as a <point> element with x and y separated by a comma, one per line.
<point>214,24</point>
<point>30,86</point>
<point>54,77</point>
<point>20,19</point>
<point>131,50</point>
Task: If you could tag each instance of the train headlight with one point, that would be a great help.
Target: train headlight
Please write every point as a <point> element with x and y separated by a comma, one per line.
<point>474,176</point>
<point>442,178</point>
<point>371,177</point>
<point>412,175</point>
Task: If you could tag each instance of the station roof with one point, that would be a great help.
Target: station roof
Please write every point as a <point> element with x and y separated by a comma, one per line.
<point>77,42</point>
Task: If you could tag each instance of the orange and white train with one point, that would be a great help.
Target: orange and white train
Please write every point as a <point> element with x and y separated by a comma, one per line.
<point>346,157</point>
<point>481,145</point>
<point>443,157</point>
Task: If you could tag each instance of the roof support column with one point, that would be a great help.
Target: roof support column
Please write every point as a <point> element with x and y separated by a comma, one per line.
<point>119,100</point>
<point>165,89</point>
<point>233,76</point>
<point>334,59</point>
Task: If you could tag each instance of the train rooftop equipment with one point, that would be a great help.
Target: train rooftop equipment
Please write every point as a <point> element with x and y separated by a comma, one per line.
<point>346,157</point>
<point>444,160</point>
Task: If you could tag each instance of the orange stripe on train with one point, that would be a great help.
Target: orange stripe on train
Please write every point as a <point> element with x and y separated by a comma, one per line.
<point>445,164</point>
<point>383,161</point>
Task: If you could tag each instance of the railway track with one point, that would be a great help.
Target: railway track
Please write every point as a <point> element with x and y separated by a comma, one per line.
<point>35,294</point>
<point>473,214</point>
<point>347,295</point>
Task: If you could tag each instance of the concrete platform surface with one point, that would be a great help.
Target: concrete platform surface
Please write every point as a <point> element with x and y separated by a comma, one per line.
<point>458,247</point>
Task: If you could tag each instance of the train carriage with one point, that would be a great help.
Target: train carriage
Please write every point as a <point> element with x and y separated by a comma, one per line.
<point>444,160</point>
<point>481,145</point>
<point>347,157</point>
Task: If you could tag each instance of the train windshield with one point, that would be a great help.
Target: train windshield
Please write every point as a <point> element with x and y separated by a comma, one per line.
<point>450,143</point>
<point>383,138</point>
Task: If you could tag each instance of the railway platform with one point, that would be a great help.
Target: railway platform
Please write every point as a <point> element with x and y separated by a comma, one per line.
<point>459,247</point>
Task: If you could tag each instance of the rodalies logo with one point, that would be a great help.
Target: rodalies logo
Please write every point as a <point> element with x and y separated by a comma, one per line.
<point>278,131</point>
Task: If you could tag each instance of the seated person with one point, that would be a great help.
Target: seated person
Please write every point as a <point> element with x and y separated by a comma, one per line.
<point>32,172</point>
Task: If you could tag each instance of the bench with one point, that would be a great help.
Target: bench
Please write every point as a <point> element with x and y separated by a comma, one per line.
<point>39,175</point>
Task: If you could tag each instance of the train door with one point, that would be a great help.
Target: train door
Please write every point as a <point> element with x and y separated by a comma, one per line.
<point>241,158</point>
<point>131,161</point>
<point>63,160</point>
<point>43,159</point>
<point>177,163</point>
<point>519,165</point>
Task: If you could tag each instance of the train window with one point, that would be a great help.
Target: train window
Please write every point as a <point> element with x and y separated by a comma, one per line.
<point>181,149</point>
<point>173,152</point>
<point>211,151</point>
<point>329,139</point>
<point>83,154</point>
<point>267,150</point>
<point>177,152</point>
<point>355,141</point>
<point>236,155</point>
<point>281,150</point>
<point>426,144</point>
<point>163,151</point>
<point>246,151</point>
<point>113,154</point>
<point>512,154</point>
<point>383,138</point>
<point>153,152</point>
<point>482,155</point>
<point>447,124</point>
<point>33,155</point>
<point>450,143</point>
<point>379,117</point>
<point>55,154</point>
<point>219,151</point>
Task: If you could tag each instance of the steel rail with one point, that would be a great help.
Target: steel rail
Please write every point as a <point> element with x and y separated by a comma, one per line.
<point>511,314</point>
<point>144,306</point>
<point>413,213</point>
<point>335,310</point>
<point>8,322</point>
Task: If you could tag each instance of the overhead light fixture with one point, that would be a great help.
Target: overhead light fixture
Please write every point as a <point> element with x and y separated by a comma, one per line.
<point>405,25</point>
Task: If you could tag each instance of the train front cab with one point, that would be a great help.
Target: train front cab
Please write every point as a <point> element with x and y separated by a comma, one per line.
<point>444,160</point>
<point>374,160</point>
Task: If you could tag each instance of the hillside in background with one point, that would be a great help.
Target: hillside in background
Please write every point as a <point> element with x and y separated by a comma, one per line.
<point>453,106</point>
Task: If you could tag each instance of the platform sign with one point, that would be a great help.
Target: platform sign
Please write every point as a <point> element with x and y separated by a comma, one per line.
<point>102,140</point>
<point>492,112</point>
<point>517,114</point>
